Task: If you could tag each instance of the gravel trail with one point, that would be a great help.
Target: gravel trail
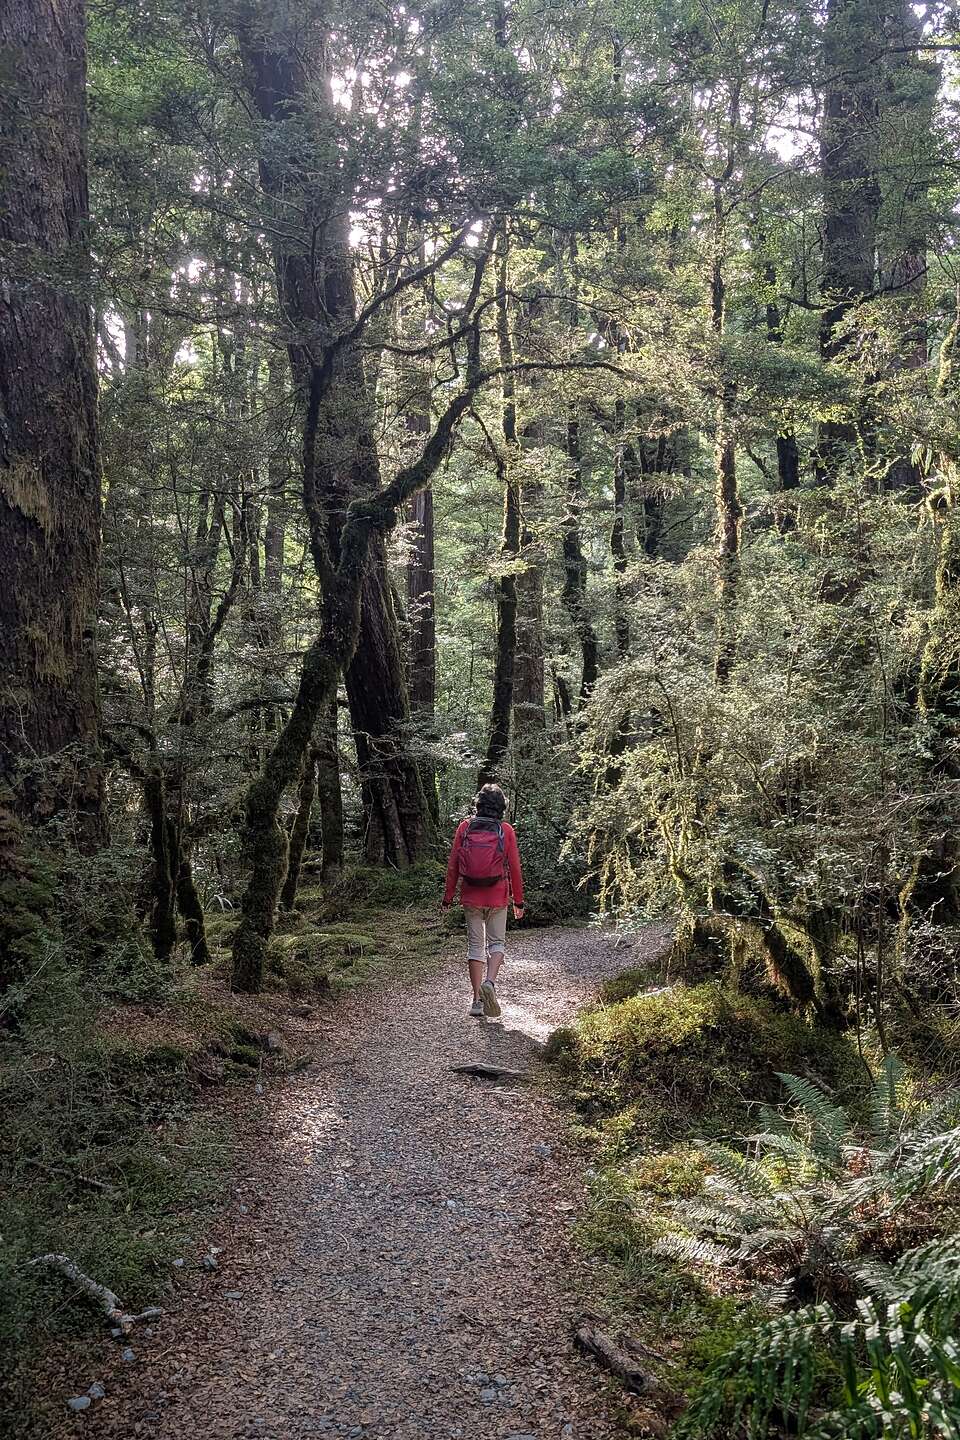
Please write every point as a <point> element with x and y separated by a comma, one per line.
<point>395,1263</point>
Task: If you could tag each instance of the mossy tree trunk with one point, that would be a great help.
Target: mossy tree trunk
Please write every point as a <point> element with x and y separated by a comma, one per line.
<point>505,588</point>
<point>49,458</point>
<point>367,520</point>
<point>315,286</point>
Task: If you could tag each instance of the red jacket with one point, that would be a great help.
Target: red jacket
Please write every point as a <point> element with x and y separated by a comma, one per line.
<point>494,896</point>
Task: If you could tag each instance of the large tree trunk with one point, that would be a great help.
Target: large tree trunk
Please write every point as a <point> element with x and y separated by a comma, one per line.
<point>398,816</point>
<point>300,831</point>
<point>315,285</point>
<point>851,192</point>
<point>505,587</point>
<point>49,466</point>
<point>331,650</point>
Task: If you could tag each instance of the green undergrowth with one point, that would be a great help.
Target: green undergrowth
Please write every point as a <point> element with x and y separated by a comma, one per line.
<point>111,1152</point>
<point>105,1157</point>
<point>368,926</point>
<point>653,1077</point>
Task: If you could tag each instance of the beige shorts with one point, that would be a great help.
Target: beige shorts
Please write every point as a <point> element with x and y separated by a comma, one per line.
<point>486,931</point>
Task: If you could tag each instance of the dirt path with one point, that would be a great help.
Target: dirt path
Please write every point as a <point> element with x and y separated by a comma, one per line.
<point>396,1263</point>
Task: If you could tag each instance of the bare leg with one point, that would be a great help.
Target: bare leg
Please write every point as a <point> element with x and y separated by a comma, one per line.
<point>496,934</point>
<point>476,968</point>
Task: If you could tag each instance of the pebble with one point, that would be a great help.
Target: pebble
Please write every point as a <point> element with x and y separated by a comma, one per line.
<point>79,1402</point>
<point>488,1394</point>
<point>128,1355</point>
<point>96,1391</point>
<point>233,1295</point>
<point>177,1264</point>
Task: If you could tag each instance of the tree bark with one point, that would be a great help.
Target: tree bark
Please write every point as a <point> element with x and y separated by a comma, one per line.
<point>315,286</point>
<point>49,460</point>
<point>301,828</point>
<point>329,793</point>
<point>574,594</point>
<point>498,740</point>
<point>851,192</point>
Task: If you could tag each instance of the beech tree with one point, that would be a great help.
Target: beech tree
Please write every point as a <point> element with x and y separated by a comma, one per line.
<point>49,460</point>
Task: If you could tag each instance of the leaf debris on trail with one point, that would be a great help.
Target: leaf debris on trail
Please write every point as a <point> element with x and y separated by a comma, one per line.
<point>397,1259</point>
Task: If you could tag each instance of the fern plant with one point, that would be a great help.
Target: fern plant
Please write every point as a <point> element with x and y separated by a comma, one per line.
<point>817,1198</point>
<point>817,1211</point>
<point>897,1366</point>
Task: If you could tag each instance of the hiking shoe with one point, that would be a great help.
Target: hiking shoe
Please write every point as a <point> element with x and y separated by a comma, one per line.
<point>488,999</point>
<point>476,1009</point>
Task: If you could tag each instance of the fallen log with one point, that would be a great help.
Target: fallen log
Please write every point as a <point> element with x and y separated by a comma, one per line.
<point>619,1356</point>
<point>488,1072</point>
<point>111,1306</point>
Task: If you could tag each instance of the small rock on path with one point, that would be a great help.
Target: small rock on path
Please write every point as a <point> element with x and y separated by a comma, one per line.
<point>397,1263</point>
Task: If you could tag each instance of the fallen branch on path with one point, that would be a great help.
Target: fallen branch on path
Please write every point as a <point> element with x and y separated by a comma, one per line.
<point>488,1072</point>
<point>111,1306</point>
<point>619,1356</point>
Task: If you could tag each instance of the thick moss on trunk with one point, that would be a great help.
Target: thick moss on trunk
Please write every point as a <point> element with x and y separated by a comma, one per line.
<point>49,457</point>
<point>191,908</point>
<point>334,646</point>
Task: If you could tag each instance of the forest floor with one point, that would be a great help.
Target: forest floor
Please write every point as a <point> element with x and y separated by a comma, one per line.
<point>396,1258</point>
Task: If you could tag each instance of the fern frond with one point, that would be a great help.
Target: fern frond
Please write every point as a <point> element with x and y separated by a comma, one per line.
<point>933,1163</point>
<point>828,1122</point>
<point>773,1368</point>
<point>741,1172</point>
<point>695,1251</point>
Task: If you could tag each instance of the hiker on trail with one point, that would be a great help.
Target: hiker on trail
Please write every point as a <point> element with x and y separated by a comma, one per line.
<point>485,860</point>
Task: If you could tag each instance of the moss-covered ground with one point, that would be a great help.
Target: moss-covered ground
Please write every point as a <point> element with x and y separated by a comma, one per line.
<point>652,1075</point>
